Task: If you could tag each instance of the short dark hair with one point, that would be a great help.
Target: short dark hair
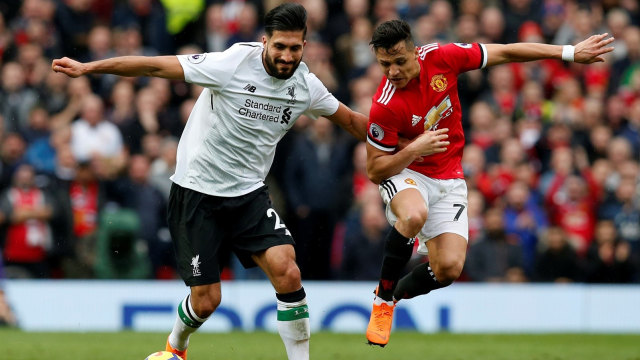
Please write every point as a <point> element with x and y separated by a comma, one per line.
<point>286,17</point>
<point>391,32</point>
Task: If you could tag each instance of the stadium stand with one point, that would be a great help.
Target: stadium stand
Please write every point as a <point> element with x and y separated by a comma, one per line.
<point>552,148</point>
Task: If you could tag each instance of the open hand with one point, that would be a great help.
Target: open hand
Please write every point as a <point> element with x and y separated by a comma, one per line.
<point>590,50</point>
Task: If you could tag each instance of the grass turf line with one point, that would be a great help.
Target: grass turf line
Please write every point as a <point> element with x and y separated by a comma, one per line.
<point>18,345</point>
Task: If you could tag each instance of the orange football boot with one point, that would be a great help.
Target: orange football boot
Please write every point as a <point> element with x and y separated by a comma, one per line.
<point>379,328</point>
<point>181,353</point>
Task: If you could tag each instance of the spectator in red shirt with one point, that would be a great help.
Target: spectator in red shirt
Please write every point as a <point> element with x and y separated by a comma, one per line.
<point>571,201</point>
<point>28,240</point>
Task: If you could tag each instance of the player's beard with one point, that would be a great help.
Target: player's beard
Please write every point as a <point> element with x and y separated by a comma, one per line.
<point>272,67</point>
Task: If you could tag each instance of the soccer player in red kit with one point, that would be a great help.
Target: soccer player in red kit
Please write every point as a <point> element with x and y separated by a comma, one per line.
<point>422,184</point>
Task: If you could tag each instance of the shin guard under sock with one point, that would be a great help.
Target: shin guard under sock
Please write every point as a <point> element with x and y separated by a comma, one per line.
<point>397,252</point>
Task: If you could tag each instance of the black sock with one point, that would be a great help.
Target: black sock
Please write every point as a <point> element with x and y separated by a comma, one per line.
<point>292,297</point>
<point>419,281</point>
<point>397,252</point>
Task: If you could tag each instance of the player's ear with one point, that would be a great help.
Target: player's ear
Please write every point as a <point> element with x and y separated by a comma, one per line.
<point>416,52</point>
<point>264,40</point>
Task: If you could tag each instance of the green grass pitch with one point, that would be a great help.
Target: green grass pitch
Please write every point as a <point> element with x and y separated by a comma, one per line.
<point>18,345</point>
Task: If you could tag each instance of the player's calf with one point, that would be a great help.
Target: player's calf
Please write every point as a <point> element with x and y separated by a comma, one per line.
<point>421,280</point>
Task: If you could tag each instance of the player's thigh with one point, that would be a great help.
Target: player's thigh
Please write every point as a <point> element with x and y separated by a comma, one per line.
<point>197,236</point>
<point>407,203</point>
<point>447,213</point>
<point>403,196</point>
<point>258,228</point>
<point>279,264</point>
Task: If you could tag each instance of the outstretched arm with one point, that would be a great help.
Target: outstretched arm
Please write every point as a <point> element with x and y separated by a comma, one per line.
<point>167,67</point>
<point>586,52</point>
<point>352,121</point>
<point>356,124</point>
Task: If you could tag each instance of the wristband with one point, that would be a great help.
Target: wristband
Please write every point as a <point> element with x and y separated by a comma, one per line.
<point>568,52</point>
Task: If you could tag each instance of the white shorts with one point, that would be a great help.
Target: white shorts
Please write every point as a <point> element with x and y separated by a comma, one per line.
<point>446,202</point>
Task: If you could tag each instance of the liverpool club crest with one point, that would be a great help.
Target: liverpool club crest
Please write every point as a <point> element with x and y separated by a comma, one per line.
<point>291,91</point>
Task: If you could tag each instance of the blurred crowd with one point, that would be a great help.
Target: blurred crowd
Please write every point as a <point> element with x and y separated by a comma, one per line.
<point>551,161</point>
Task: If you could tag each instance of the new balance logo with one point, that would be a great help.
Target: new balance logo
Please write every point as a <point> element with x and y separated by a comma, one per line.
<point>250,88</point>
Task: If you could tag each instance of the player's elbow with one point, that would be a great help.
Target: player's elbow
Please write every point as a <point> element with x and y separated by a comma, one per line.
<point>374,175</point>
<point>163,73</point>
<point>167,67</point>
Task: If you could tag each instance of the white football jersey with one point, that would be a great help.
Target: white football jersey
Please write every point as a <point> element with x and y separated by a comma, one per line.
<point>230,139</point>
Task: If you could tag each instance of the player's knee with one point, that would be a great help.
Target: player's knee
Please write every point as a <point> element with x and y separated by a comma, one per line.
<point>287,277</point>
<point>413,220</point>
<point>448,271</point>
<point>205,304</point>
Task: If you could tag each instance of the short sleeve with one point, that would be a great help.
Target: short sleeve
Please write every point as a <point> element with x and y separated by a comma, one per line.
<point>382,133</point>
<point>212,70</point>
<point>464,57</point>
<point>322,102</point>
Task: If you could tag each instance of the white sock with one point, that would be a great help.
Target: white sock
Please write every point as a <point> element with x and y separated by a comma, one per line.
<point>293,326</point>
<point>187,322</point>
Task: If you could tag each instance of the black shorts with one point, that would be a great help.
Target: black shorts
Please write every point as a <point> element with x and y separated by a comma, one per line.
<point>204,227</point>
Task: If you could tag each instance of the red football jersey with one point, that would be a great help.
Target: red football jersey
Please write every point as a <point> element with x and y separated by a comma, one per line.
<point>428,102</point>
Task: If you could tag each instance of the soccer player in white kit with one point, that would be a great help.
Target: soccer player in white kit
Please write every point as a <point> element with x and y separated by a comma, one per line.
<point>253,93</point>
